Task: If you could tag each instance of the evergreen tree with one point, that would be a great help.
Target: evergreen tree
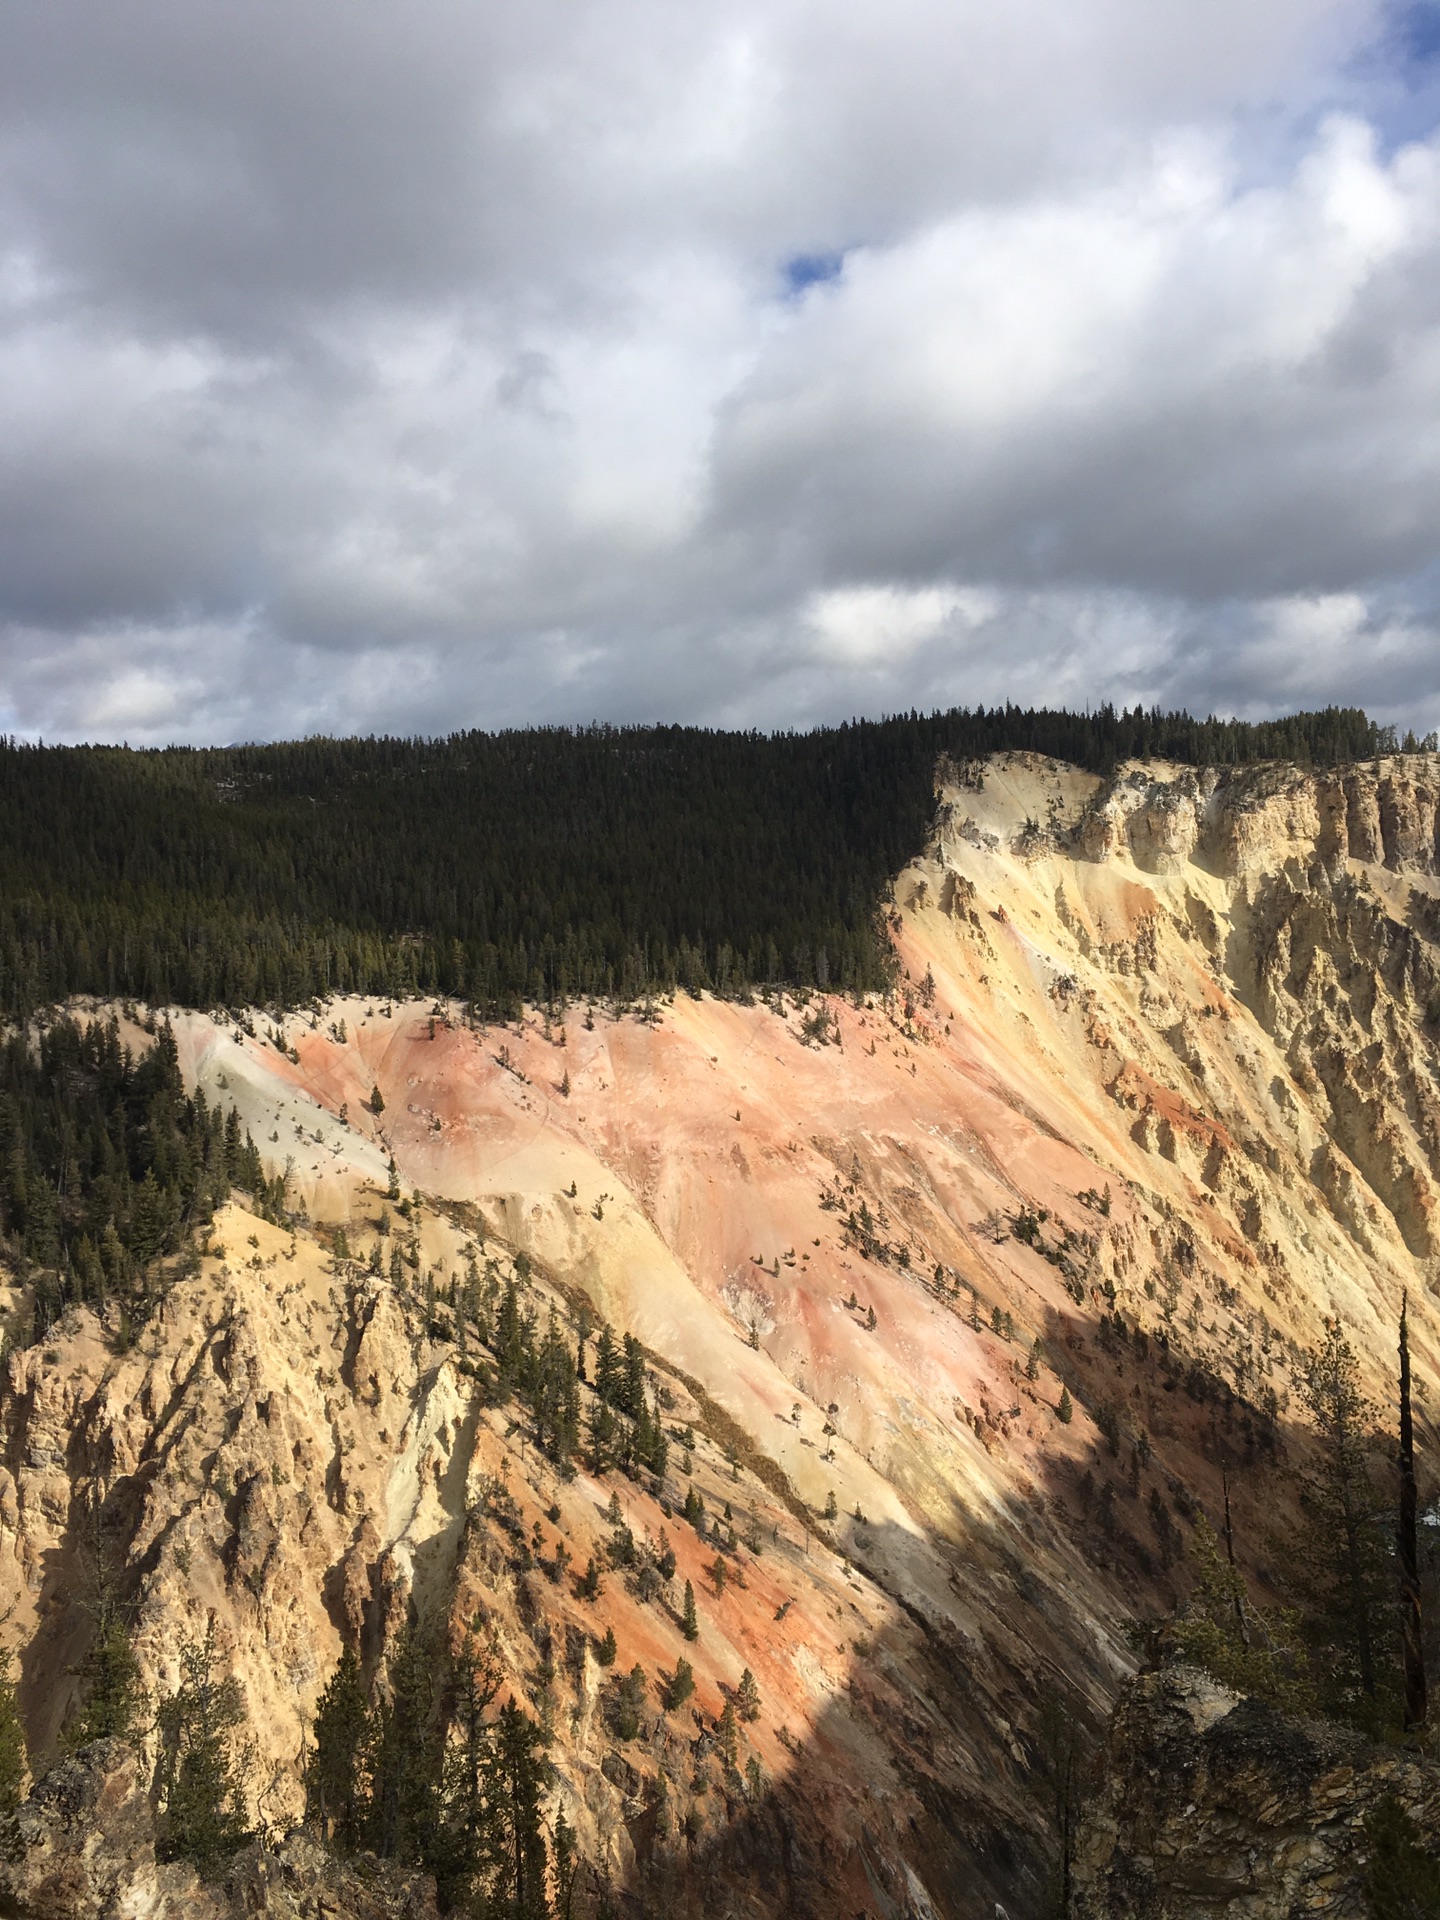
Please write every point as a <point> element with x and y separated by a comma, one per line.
<point>461,1852</point>
<point>566,1866</point>
<point>1402,1877</point>
<point>747,1697</point>
<point>407,1754</point>
<point>630,1391</point>
<point>609,1378</point>
<point>680,1686</point>
<point>689,1620</point>
<point>710,860</point>
<point>519,1776</point>
<point>112,1698</point>
<point>14,1759</point>
<point>555,1396</point>
<point>201,1775</point>
<point>1346,1546</point>
<point>1063,1747</point>
<point>1219,1631</point>
<point>335,1778</point>
<point>602,1434</point>
<point>106,1167</point>
<point>628,1701</point>
<point>1407,1549</point>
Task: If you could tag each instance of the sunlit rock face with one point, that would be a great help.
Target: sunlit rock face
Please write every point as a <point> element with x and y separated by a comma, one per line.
<point>1156,1090</point>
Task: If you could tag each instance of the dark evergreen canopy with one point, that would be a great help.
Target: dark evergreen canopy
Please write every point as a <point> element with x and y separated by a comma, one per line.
<point>516,865</point>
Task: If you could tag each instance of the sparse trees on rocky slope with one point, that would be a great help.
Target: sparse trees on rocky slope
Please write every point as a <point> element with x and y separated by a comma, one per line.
<point>427,1775</point>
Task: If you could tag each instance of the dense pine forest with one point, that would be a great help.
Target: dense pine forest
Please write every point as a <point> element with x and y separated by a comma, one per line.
<point>107,1167</point>
<point>525,865</point>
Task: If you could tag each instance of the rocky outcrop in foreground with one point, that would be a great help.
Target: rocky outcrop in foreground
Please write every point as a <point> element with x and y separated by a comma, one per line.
<point>1210,1804</point>
<point>82,1847</point>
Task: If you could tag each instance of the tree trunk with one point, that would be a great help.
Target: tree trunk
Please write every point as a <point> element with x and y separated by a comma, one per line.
<point>1407,1553</point>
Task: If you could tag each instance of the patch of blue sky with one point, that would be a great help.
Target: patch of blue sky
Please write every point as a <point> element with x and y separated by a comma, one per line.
<point>1394,80</point>
<point>1415,35</point>
<point>803,270</point>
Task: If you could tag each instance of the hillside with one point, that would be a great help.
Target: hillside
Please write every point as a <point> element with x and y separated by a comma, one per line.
<point>500,868</point>
<point>1156,1088</point>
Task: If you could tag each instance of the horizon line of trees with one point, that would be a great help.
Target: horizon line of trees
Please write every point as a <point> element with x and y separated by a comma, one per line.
<point>535,865</point>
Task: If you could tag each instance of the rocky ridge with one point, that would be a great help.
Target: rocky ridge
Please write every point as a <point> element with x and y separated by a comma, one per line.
<point>1211,1805</point>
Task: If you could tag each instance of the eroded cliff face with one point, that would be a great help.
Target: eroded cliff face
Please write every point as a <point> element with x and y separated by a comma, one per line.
<point>1157,1090</point>
<point>1208,1805</point>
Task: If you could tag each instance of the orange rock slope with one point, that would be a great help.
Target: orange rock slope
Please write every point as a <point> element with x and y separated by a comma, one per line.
<point>1154,1095</point>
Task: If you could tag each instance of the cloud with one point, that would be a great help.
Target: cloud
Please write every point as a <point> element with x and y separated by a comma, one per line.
<point>756,366</point>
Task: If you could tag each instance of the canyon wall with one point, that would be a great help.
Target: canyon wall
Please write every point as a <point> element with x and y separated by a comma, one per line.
<point>1154,1097</point>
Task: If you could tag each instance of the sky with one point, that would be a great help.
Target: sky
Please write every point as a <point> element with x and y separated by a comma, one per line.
<point>396,369</point>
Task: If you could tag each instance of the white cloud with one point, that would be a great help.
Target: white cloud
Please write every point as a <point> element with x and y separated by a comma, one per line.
<point>367,370</point>
<point>867,626</point>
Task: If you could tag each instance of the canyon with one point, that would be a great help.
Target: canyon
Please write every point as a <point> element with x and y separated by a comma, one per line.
<point>959,1301</point>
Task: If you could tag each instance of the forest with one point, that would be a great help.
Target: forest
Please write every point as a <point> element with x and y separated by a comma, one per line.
<point>108,1167</point>
<point>531,865</point>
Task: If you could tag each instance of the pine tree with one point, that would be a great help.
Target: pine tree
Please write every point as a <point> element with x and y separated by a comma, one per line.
<point>112,1698</point>
<point>727,1738</point>
<point>461,1850</point>
<point>407,1751</point>
<point>689,1620</point>
<point>606,1650</point>
<point>14,1760</point>
<point>1059,1778</point>
<point>1344,1547</point>
<point>1402,1877</point>
<point>1066,1409</point>
<point>566,1866</point>
<point>555,1397</point>
<point>629,1699</point>
<point>631,1386</point>
<point>335,1775</point>
<point>202,1767</point>
<point>1407,1549</point>
<point>747,1697</point>
<point>602,1434</point>
<point>609,1378</point>
<point>1255,1653</point>
<point>680,1686</point>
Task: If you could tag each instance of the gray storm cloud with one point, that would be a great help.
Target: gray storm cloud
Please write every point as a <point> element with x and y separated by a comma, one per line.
<point>378,369</point>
